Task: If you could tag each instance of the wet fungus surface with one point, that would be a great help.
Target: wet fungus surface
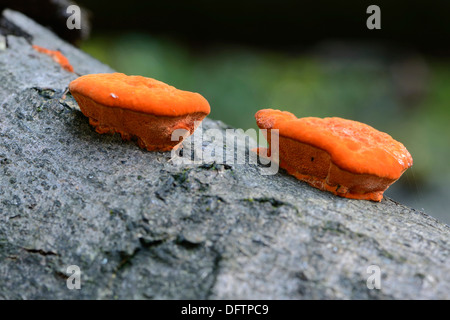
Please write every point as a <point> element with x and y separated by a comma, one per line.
<point>139,108</point>
<point>348,158</point>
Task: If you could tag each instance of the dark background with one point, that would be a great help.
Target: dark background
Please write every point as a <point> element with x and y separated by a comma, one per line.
<point>284,25</point>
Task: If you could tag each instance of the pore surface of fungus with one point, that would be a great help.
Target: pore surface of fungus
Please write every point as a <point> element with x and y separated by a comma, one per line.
<point>348,158</point>
<point>139,107</point>
<point>57,56</point>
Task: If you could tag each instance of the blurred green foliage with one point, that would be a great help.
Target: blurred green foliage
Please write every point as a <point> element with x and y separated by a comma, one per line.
<point>409,98</point>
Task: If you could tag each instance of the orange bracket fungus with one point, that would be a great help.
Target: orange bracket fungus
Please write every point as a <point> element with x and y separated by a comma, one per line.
<point>57,56</point>
<point>138,107</point>
<point>345,157</point>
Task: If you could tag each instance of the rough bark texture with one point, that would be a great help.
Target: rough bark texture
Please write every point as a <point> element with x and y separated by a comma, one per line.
<point>140,226</point>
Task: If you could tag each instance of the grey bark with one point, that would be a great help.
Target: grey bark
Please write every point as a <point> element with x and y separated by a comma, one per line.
<point>140,226</point>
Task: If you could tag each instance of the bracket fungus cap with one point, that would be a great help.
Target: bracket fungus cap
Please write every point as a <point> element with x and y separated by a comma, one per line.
<point>352,145</point>
<point>57,56</point>
<point>349,158</point>
<point>139,107</point>
<point>139,94</point>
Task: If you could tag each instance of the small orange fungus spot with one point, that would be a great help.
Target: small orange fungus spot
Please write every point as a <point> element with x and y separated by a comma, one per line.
<point>57,56</point>
<point>138,107</point>
<point>348,158</point>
